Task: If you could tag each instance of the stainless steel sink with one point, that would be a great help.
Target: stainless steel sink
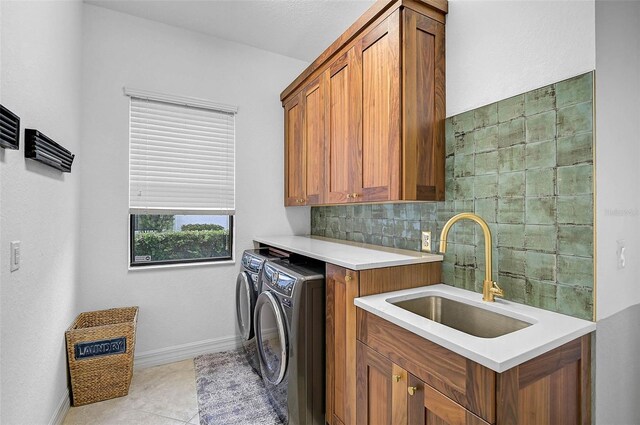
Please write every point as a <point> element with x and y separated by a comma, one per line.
<point>463,317</point>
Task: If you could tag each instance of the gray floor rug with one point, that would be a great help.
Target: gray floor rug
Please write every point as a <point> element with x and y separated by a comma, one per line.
<point>230,392</point>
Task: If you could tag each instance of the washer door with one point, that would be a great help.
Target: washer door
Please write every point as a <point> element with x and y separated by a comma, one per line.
<point>271,338</point>
<point>245,303</point>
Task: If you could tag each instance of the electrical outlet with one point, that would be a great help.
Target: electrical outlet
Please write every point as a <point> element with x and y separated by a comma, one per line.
<point>426,241</point>
<point>15,255</point>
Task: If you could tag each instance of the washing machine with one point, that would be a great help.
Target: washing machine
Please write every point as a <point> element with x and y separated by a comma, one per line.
<point>290,330</point>
<point>247,291</point>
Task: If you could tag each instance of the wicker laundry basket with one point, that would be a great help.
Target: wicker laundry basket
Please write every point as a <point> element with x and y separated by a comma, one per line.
<point>100,346</point>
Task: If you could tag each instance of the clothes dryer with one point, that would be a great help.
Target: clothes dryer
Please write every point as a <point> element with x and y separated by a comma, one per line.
<point>290,329</point>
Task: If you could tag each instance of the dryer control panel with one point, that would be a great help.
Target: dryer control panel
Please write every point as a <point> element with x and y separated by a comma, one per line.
<point>279,281</point>
<point>252,263</point>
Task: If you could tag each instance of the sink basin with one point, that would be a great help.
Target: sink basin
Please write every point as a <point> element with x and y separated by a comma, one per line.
<point>463,317</point>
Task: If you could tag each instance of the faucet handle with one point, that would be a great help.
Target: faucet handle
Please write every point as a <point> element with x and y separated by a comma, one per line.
<point>490,290</point>
<point>496,290</point>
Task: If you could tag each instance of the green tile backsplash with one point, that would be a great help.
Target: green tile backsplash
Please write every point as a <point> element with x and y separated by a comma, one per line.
<point>525,165</point>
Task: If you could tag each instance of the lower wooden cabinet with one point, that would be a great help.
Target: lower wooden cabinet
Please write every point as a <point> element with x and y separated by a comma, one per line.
<point>343,285</point>
<point>381,388</point>
<point>388,394</point>
<point>405,379</point>
<point>427,406</point>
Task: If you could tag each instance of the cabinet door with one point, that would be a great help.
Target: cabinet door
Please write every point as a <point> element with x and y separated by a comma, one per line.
<point>342,288</point>
<point>345,142</point>
<point>423,98</point>
<point>428,406</point>
<point>381,388</point>
<point>315,131</point>
<point>379,55</point>
<point>553,388</point>
<point>294,155</point>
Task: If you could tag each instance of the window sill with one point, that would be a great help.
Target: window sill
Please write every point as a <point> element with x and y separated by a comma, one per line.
<point>181,265</point>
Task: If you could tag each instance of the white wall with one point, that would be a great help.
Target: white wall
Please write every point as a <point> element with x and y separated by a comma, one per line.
<point>1,240</point>
<point>497,49</point>
<point>618,153</point>
<point>618,210</point>
<point>191,304</point>
<point>40,82</point>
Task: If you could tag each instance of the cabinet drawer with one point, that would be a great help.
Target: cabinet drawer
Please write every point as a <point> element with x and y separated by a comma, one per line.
<point>467,383</point>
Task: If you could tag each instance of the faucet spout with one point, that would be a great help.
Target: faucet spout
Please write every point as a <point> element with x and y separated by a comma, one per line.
<point>490,289</point>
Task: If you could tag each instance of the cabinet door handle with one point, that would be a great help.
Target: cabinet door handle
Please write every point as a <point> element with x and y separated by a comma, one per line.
<point>412,390</point>
<point>397,378</point>
<point>355,195</point>
<point>348,196</point>
<point>348,278</point>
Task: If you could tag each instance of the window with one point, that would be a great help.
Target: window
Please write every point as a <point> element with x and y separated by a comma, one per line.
<point>181,179</point>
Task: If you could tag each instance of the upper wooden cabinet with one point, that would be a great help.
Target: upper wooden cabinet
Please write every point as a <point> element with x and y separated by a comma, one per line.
<point>375,128</point>
<point>344,142</point>
<point>305,149</point>
<point>314,130</point>
<point>294,154</point>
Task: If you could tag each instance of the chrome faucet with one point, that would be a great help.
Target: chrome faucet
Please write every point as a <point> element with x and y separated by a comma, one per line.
<point>490,289</point>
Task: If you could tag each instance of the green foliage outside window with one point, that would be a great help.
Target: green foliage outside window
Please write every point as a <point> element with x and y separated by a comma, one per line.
<point>201,227</point>
<point>158,223</point>
<point>186,244</point>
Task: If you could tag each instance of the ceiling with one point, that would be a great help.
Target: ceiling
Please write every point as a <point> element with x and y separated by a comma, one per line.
<point>300,29</point>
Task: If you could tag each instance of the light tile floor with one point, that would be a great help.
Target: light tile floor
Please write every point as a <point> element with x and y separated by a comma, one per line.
<point>160,395</point>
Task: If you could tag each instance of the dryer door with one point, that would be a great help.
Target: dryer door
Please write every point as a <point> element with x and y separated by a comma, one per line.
<point>245,303</point>
<point>272,338</point>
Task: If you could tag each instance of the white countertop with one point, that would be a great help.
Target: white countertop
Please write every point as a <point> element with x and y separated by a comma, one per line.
<point>352,255</point>
<point>549,330</point>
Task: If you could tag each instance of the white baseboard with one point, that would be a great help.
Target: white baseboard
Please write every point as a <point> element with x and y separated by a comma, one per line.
<point>184,351</point>
<point>61,410</point>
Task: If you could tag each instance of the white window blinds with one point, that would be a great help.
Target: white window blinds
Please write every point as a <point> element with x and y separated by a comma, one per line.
<point>181,156</point>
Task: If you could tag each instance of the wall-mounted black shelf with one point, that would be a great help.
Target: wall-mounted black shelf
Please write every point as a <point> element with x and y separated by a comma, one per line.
<point>9,129</point>
<point>39,147</point>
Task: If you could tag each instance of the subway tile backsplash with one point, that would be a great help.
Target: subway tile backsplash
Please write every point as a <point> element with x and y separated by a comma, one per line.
<point>525,165</point>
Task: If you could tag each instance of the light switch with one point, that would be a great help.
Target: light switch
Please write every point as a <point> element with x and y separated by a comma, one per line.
<point>621,254</point>
<point>15,255</point>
